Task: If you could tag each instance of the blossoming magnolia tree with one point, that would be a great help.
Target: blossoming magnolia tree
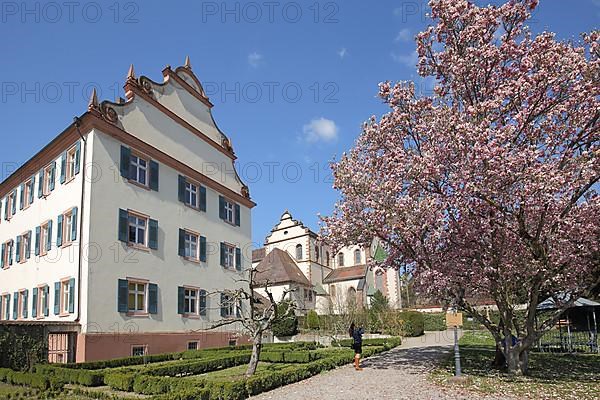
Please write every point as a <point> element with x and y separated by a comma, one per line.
<point>488,187</point>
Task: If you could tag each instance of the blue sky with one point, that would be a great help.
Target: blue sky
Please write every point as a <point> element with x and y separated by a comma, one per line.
<point>291,81</point>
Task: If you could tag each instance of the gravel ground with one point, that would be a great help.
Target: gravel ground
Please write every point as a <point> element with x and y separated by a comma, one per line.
<point>398,374</point>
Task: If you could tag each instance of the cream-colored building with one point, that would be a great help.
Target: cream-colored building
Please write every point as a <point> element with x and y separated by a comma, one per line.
<point>339,280</point>
<point>123,233</point>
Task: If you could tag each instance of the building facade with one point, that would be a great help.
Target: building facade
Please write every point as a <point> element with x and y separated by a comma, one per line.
<point>126,231</point>
<point>339,279</point>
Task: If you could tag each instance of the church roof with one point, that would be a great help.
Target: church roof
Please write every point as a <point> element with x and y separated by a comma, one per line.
<point>258,254</point>
<point>346,274</point>
<point>279,268</point>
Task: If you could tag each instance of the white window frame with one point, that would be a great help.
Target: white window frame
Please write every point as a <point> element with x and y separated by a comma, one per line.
<point>40,300</point>
<point>229,302</point>
<point>137,226</point>
<point>229,211</point>
<point>196,344</point>
<point>357,252</point>
<point>143,347</point>
<point>21,304</point>
<point>192,189</point>
<point>43,238</point>
<point>65,295</point>
<point>8,247</point>
<point>340,259</point>
<point>188,237</point>
<point>191,297</point>
<point>27,189</point>
<point>70,164</point>
<point>46,180</point>
<point>135,162</point>
<point>136,292</point>
<point>4,306</point>
<point>10,199</point>
<point>24,248</point>
<point>67,228</point>
<point>229,256</point>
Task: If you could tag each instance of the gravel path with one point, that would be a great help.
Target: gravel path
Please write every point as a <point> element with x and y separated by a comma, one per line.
<point>400,373</point>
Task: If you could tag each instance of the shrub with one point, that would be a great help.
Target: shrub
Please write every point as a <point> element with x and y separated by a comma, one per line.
<point>185,394</point>
<point>34,380</point>
<point>434,321</point>
<point>70,375</point>
<point>271,356</point>
<point>235,390</point>
<point>120,381</point>
<point>412,323</point>
<point>287,322</point>
<point>146,384</point>
<point>264,382</point>
<point>195,367</point>
<point>312,320</point>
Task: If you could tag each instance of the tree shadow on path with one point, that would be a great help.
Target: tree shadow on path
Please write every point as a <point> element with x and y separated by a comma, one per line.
<point>413,360</point>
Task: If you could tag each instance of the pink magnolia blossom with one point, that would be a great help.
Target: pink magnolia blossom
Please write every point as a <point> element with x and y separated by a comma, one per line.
<point>487,188</point>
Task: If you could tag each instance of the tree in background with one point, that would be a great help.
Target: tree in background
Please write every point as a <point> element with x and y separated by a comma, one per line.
<point>488,187</point>
<point>312,320</point>
<point>286,324</point>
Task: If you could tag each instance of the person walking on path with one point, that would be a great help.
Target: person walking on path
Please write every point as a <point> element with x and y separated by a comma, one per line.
<point>356,335</point>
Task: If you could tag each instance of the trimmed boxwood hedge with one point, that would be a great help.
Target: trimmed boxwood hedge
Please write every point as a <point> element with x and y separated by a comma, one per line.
<point>120,380</point>
<point>195,367</point>
<point>390,342</point>
<point>69,375</point>
<point>185,394</point>
<point>31,379</point>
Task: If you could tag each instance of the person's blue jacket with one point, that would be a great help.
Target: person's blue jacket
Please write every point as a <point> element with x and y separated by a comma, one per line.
<point>357,335</point>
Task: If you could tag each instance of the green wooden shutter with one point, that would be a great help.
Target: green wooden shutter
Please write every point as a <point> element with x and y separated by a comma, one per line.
<point>32,189</point>
<point>5,201</point>
<point>181,188</point>
<point>222,254</point>
<point>37,240</point>
<point>237,214</point>
<point>15,305</point>
<point>202,295</point>
<point>238,309</point>
<point>7,314</point>
<point>59,230</point>
<point>25,302</point>
<point>2,255</point>
<point>17,252</point>
<point>40,183</point>
<point>10,252</point>
<point>56,298</point>
<point>153,234</point>
<point>46,297</point>
<point>72,295</point>
<point>223,306</point>
<point>181,250</point>
<point>52,173</point>
<point>180,299</point>
<point>122,296</point>
<point>153,298</point>
<point>123,225</point>
<point>74,224</point>
<point>154,175</point>
<point>22,197</point>
<point>202,248</point>
<point>28,254</point>
<point>63,167</point>
<point>14,202</point>
<point>34,299</point>
<point>202,198</point>
<point>222,207</point>
<point>77,156</point>
<point>49,238</point>
<point>238,259</point>
<point>125,161</point>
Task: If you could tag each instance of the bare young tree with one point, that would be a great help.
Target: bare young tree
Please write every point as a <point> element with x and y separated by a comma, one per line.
<point>257,318</point>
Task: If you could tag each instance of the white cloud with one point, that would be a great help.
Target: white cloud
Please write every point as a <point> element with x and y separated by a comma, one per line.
<point>255,59</point>
<point>409,60</point>
<point>321,129</point>
<point>403,36</point>
<point>342,52</point>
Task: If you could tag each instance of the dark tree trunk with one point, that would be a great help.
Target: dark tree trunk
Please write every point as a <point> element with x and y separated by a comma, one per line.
<point>499,359</point>
<point>256,347</point>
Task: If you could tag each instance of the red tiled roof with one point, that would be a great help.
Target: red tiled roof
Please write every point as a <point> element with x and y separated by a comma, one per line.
<point>278,268</point>
<point>346,274</point>
<point>258,254</point>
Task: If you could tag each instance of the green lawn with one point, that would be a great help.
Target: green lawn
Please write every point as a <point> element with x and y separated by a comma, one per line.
<point>239,371</point>
<point>552,376</point>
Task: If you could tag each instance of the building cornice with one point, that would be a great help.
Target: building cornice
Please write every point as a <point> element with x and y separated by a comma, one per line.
<point>94,119</point>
